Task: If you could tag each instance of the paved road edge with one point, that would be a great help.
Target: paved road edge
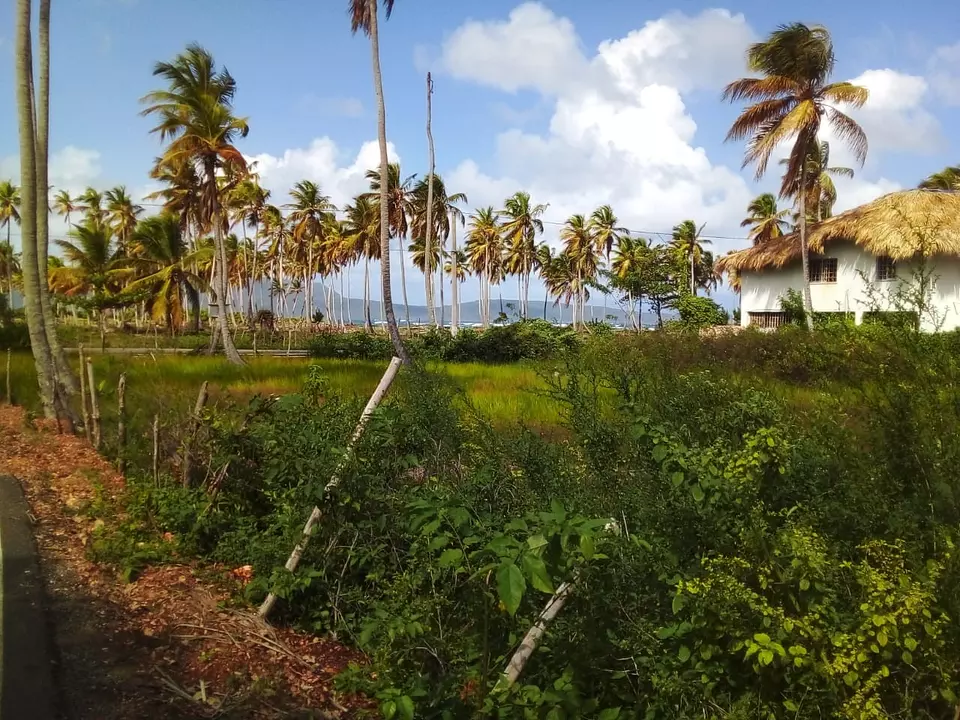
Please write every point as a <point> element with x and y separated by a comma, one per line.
<point>27,690</point>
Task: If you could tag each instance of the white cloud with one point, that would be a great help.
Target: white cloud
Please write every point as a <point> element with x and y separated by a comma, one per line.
<point>945,73</point>
<point>894,117</point>
<point>322,162</point>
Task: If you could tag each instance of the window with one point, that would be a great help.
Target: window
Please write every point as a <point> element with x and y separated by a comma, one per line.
<point>768,320</point>
<point>886,268</point>
<point>823,270</point>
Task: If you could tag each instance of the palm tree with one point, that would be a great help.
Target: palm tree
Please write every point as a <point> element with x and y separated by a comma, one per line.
<point>122,214</point>
<point>444,213</point>
<point>311,210</point>
<point>765,221</point>
<point>363,16</point>
<point>579,247</point>
<point>688,245</point>
<point>792,98</point>
<point>196,114</point>
<point>248,202</point>
<point>64,205</point>
<point>484,248</point>
<point>521,226</point>
<point>91,204</point>
<point>629,258</point>
<point>9,214</point>
<point>822,193</point>
<point>947,180</point>
<point>456,264</point>
<point>276,228</point>
<point>162,264</point>
<point>362,228</point>
<point>400,199</point>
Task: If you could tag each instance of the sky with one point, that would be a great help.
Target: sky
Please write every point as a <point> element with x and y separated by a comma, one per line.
<point>578,103</point>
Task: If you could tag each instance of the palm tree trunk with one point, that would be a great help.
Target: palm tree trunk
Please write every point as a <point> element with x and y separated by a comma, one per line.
<point>546,299</point>
<point>386,289</point>
<point>220,273</point>
<point>443,306</point>
<point>805,251</point>
<point>9,268</point>
<point>66,382</point>
<point>693,281</point>
<point>403,285</point>
<point>428,228</point>
<point>455,280</point>
<point>368,323</point>
<point>43,359</point>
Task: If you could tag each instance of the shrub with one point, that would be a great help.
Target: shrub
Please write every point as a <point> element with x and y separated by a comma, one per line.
<point>699,312</point>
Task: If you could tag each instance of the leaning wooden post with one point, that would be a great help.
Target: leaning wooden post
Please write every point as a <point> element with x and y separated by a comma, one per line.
<point>83,398</point>
<point>9,390</point>
<point>385,382</point>
<point>122,424</point>
<point>156,448</point>
<point>192,429</point>
<point>94,404</point>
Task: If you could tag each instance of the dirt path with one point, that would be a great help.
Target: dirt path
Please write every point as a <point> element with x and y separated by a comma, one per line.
<point>162,646</point>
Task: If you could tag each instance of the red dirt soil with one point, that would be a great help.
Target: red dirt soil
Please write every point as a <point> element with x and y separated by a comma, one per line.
<point>163,646</point>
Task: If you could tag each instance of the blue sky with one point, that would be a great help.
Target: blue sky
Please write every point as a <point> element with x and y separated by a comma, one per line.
<point>580,103</point>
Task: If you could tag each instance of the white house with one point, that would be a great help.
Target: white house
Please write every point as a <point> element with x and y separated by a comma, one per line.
<point>900,252</point>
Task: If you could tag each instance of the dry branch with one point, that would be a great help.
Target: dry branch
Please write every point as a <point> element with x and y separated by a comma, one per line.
<point>535,634</point>
<point>385,382</point>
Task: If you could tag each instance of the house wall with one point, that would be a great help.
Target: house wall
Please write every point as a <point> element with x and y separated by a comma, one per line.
<point>761,291</point>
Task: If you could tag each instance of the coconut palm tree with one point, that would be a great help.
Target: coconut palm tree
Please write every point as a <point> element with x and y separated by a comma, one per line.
<point>9,214</point>
<point>444,213</point>
<point>521,226</point>
<point>792,98</point>
<point>163,269</point>
<point>91,205</point>
<point>947,180</point>
<point>400,199</point>
<point>484,248</point>
<point>456,263</point>
<point>579,249</point>
<point>309,218</point>
<point>688,245</point>
<point>765,221</point>
<point>248,202</point>
<point>195,113</point>
<point>362,226</point>
<point>363,17</point>
<point>122,214</point>
<point>64,205</point>
<point>821,191</point>
<point>630,256</point>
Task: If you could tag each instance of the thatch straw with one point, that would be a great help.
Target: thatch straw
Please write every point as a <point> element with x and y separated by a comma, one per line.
<point>900,225</point>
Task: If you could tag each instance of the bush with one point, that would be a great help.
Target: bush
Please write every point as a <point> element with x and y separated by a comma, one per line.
<point>700,312</point>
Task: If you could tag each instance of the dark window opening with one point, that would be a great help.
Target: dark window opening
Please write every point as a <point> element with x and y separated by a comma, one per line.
<point>823,270</point>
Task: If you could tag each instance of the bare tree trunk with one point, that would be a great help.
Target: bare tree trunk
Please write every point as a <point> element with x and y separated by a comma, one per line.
<point>532,639</point>
<point>43,359</point>
<point>805,251</point>
<point>88,431</point>
<point>455,282</point>
<point>291,565</point>
<point>386,289</point>
<point>367,321</point>
<point>220,270</point>
<point>428,227</point>
<point>403,284</point>
<point>94,404</point>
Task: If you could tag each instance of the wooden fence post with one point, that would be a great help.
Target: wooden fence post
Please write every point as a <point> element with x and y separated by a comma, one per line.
<point>192,428</point>
<point>88,431</point>
<point>94,404</point>
<point>156,448</point>
<point>122,424</point>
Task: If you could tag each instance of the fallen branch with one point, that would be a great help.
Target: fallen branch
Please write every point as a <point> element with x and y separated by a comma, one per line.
<point>385,382</point>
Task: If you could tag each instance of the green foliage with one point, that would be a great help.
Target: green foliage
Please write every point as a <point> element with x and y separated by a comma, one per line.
<point>699,312</point>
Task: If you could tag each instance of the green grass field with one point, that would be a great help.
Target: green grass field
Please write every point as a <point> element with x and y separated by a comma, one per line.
<point>168,385</point>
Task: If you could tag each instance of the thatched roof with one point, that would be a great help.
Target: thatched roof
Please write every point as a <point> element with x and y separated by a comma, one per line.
<point>900,225</point>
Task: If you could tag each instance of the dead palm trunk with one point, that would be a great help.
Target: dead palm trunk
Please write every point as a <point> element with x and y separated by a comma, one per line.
<point>428,227</point>
<point>43,359</point>
<point>386,289</point>
<point>805,251</point>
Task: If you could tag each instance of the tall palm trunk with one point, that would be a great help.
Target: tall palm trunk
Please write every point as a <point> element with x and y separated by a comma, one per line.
<point>220,269</point>
<point>43,359</point>
<point>9,268</point>
<point>63,374</point>
<point>455,280</point>
<point>403,284</point>
<point>805,251</point>
<point>428,228</point>
<point>693,280</point>
<point>367,322</point>
<point>386,290</point>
